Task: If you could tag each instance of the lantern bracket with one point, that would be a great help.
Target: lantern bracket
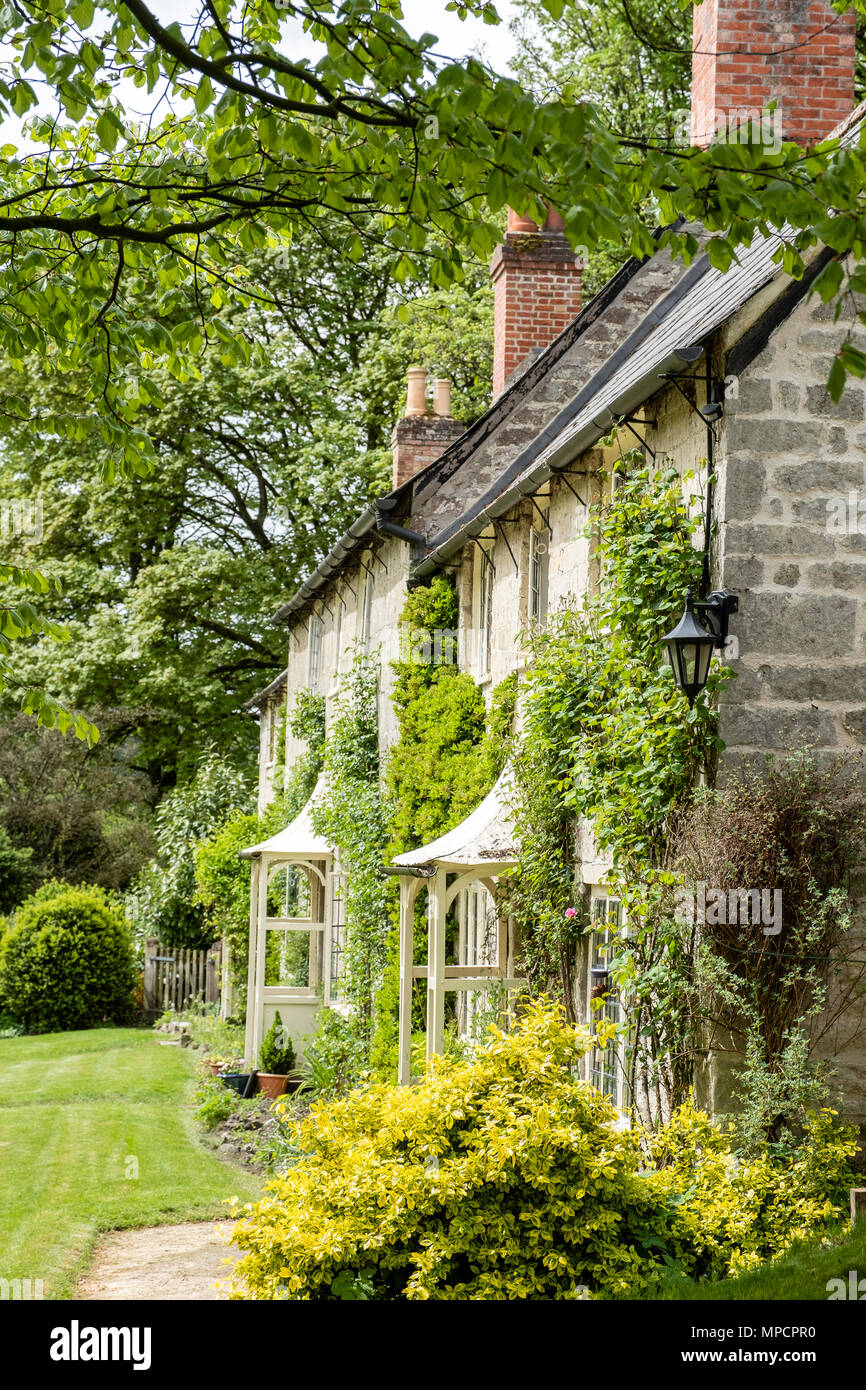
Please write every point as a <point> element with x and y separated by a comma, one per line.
<point>716,610</point>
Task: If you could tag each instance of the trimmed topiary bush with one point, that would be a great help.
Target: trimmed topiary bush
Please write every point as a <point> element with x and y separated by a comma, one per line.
<point>276,1055</point>
<point>67,961</point>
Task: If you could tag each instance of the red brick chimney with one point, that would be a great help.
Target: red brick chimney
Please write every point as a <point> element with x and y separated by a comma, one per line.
<point>419,438</point>
<point>798,52</point>
<point>536,291</point>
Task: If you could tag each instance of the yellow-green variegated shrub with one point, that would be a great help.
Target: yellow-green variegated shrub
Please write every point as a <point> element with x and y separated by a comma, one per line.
<point>505,1178</point>
<point>500,1178</point>
<point>735,1214</point>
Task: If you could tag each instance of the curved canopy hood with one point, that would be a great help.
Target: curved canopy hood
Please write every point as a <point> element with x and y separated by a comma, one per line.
<point>486,836</point>
<point>298,841</point>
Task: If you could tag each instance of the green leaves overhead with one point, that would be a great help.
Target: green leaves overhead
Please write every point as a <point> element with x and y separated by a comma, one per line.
<point>245,144</point>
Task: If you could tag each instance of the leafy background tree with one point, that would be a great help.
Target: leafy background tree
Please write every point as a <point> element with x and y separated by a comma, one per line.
<point>169,581</point>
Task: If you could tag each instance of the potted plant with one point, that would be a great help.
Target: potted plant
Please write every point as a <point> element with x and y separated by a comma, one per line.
<point>276,1059</point>
<point>233,1075</point>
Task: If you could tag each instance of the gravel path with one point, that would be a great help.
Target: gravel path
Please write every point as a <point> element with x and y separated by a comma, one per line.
<point>160,1262</point>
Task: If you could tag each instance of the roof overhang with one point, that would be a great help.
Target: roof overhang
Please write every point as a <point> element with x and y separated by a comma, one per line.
<point>273,689</point>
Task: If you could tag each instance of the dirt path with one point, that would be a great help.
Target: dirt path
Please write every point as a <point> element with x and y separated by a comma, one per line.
<point>160,1262</point>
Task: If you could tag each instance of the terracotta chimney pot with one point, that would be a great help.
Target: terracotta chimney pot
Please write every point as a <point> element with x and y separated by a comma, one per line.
<point>442,396</point>
<point>416,395</point>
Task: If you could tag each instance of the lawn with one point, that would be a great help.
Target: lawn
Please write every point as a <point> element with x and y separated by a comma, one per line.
<point>802,1274</point>
<point>96,1135</point>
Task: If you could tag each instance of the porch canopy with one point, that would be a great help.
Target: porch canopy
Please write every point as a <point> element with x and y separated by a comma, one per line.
<point>285,971</point>
<point>475,852</point>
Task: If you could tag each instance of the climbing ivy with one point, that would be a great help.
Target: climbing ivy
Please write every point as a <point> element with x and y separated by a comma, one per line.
<point>607,739</point>
<point>306,722</point>
<point>448,754</point>
<point>445,759</point>
<point>352,816</point>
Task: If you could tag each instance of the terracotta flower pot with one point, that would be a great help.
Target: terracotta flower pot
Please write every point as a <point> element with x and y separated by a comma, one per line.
<point>272,1085</point>
<point>215,1068</point>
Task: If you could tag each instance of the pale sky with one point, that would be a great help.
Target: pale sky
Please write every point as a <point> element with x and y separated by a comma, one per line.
<point>457,39</point>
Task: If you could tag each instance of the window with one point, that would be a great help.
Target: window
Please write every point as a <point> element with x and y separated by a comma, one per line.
<point>539,550</point>
<point>315,652</point>
<point>337,936</point>
<point>271,719</point>
<point>477,945</point>
<point>338,635</point>
<point>293,932</point>
<point>607,1066</point>
<point>366,609</point>
<point>486,575</point>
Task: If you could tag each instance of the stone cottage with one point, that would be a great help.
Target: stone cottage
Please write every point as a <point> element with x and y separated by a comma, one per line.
<point>695,365</point>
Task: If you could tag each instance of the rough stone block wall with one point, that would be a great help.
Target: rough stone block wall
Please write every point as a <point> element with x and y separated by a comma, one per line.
<point>788,456</point>
<point>789,459</point>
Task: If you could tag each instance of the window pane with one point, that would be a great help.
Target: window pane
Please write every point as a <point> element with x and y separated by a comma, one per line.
<point>605,1070</point>
<point>289,893</point>
<point>287,958</point>
<point>337,937</point>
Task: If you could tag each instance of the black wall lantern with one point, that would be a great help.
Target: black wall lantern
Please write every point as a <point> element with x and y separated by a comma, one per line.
<point>690,644</point>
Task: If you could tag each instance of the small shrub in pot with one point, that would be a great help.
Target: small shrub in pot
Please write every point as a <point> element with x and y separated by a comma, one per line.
<point>276,1058</point>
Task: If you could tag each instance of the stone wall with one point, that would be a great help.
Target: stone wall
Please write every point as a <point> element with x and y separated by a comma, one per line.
<point>385,565</point>
<point>788,456</point>
<point>789,459</point>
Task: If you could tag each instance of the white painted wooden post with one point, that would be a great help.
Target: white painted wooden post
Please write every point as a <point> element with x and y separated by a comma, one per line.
<point>327,936</point>
<point>226,988</point>
<point>256,869</point>
<point>408,894</point>
<point>261,948</point>
<point>436,887</point>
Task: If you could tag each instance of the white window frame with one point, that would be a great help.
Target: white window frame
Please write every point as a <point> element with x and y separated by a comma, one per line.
<point>486,579</point>
<point>337,937</point>
<point>606,1069</point>
<point>271,710</point>
<point>365,606</point>
<point>314,654</point>
<point>339,622</point>
<point>478,945</point>
<point>539,566</point>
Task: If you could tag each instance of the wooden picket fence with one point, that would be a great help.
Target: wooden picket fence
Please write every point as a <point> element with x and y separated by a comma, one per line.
<point>175,977</point>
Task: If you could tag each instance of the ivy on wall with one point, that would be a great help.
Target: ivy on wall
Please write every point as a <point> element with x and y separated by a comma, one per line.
<point>353,818</point>
<point>449,751</point>
<point>447,756</point>
<point>607,740</point>
<point>307,723</point>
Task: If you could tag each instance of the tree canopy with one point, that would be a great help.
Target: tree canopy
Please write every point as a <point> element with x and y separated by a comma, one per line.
<point>136,248</point>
